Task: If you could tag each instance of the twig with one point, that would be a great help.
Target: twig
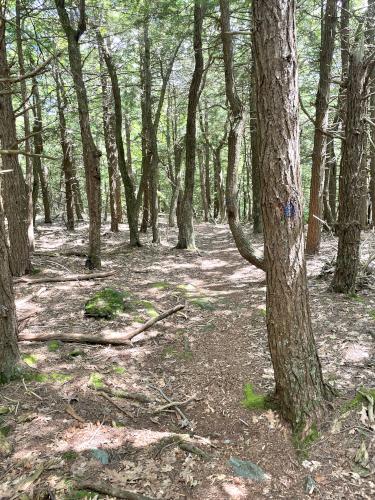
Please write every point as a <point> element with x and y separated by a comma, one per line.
<point>71,411</point>
<point>105,396</point>
<point>173,403</point>
<point>30,391</point>
<point>179,411</point>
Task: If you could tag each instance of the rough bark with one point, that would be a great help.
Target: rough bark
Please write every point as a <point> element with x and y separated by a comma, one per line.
<point>361,66</point>
<point>67,156</point>
<point>14,188</point>
<point>9,354</point>
<point>372,156</point>
<point>91,155</point>
<point>131,201</point>
<point>186,236</point>
<point>110,142</point>
<point>300,390</point>
<point>321,123</point>
<point>237,121</point>
<point>38,165</point>
<point>255,172</point>
<point>329,194</point>
<point>27,128</point>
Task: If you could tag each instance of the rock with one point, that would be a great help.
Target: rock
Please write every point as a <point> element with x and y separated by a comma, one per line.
<point>101,455</point>
<point>105,303</point>
<point>310,485</point>
<point>5,447</point>
<point>4,410</point>
<point>249,470</point>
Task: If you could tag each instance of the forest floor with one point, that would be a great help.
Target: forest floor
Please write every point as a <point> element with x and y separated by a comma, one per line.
<point>59,433</point>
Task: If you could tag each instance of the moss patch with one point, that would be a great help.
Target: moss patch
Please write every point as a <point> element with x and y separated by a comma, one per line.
<point>160,285</point>
<point>106,303</point>
<point>120,370</point>
<point>254,401</point>
<point>372,314</point>
<point>302,444</point>
<point>203,303</point>
<point>96,381</point>
<point>70,455</point>
<point>359,398</point>
<point>30,360</point>
<point>53,345</point>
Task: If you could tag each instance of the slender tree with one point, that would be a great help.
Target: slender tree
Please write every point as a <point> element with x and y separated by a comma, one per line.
<point>186,237</point>
<point>91,154</point>
<point>321,124</point>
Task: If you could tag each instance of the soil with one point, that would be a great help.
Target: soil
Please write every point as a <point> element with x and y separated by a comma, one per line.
<point>61,431</point>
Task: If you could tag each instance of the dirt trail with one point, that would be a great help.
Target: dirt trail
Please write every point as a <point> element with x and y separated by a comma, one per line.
<point>210,351</point>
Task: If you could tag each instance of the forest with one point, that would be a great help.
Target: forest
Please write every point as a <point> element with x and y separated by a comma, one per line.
<point>187,249</point>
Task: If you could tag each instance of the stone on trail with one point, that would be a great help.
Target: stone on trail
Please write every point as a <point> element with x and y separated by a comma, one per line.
<point>247,469</point>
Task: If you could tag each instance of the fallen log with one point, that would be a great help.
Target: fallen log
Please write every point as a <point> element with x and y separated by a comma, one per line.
<point>120,339</point>
<point>105,488</point>
<point>56,279</point>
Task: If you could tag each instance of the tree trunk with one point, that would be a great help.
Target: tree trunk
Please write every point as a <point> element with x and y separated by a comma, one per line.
<point>14,188</point>
<point>176,188</point>
<point>255,167</point>
<point>329,193</point>
<point>39,167</point>
<point>27,129</point>
<point>219,199</point>
<point>131,201</point>
<point>207,160</point>
<point>9,353</point>
<point>186,237</point>
<point>321,124</point>
<point>237,121</point>
<point>372,155</point>
<point>300,390</point>
<point>91,155</point>
<point>202,177</point>
<point>110,141</point>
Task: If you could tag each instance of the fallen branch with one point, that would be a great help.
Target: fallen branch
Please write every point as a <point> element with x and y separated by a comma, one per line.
<point>118,393</point>
<point>105,396</point>
<point>110,490</point>
<point>98,339</point>
<point>71,411</point>
<point>173,403</point>
<point>185,420</point>
<point>56,279</point>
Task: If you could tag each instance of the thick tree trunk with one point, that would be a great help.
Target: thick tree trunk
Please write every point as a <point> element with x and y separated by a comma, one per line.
<point>131,201</point>
<point>186,237</point>
<point>300,390</point>
<point>110,142</point>
<point>372,155</point>
<point>14,188</point>
<point>321,124</point>
<point>39,167</point>
<point>27,129</point>
<point>9,354</point>
<point>91,155</point>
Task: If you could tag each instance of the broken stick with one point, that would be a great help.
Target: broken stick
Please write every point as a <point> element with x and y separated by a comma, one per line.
<point>98,339</point>
<point>56,279</point>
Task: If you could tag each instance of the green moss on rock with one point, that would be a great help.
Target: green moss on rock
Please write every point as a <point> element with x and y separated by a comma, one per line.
<point>106,303</point>
<point>54,345</point>
<point>96,381</point>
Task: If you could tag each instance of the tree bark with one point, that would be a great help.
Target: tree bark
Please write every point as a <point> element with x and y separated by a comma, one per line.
<point>361,66</point>
<point>38,165</point>
<point>9,353</point>
<point>110,141</point>
<point>14,188</point>
<point>131,201</point>
<point>27,129</point>
<point>237,121</point>
<point>300,390</point>
<point>321,124</point>
<point>255,167</point>
<point>186,236</point>
<point>91,155</point>
<point>202,178</point>
<point>67,160</point>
